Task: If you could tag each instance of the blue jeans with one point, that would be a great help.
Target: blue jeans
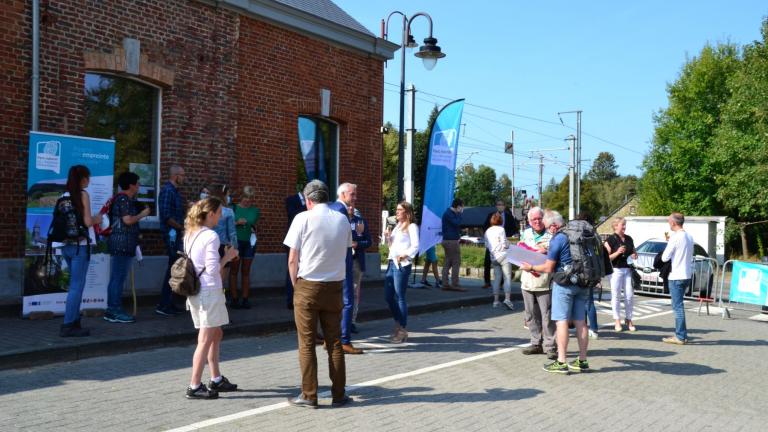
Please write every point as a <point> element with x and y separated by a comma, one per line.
<point>591,311</point>
<point>677,290</point>
<point>77,259</point>
<point>166,295</point>
<point>395,284</point>
<point>348,294</point>
<point>121,265</point>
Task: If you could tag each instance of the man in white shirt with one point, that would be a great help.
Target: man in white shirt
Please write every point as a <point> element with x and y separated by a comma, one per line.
<point>679,251</point>
<point>318,240</point>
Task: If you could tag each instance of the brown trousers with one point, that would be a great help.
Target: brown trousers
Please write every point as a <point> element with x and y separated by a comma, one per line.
<point>323,301</point>
<point>452,261</point>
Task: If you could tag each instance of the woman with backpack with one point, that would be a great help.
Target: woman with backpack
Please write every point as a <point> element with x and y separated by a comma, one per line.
<point>72,231</point>
<point>208,308</point>
<point>620,247</point>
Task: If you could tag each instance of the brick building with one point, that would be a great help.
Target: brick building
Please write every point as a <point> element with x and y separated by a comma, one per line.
<point>218,87</point>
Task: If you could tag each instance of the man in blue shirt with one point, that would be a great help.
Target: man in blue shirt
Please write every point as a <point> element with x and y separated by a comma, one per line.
<point>568,301</point>
<point>451,235</point>
<point>171,212</point>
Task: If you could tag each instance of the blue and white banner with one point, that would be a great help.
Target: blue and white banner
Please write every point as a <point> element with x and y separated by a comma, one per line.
<point>441,173</point>
<point>312,150</point>
<point>749,283</point>
<point>50,157</point>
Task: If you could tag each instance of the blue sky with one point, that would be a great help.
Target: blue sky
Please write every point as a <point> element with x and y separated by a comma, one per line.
<point>610,59</point>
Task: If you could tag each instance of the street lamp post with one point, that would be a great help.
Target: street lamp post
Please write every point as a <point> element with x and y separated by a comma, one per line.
<point>430,52</point>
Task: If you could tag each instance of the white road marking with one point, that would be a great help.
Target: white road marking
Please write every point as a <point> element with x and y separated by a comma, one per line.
<point>281,405</point>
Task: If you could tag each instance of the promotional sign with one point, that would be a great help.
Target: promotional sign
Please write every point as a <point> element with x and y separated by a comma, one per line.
<point>441,173</point>
<point>50,157</point>
<point>749,283</point>
<point>312,151</point>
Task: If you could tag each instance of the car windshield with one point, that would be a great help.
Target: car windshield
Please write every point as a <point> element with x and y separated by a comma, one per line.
<point>652,247</point>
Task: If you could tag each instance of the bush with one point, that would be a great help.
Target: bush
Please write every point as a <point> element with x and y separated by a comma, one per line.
<point>471,256</point>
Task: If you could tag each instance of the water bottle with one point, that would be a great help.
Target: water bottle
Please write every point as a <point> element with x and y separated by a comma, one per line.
<point>172,237</point>
<point>253,239</point>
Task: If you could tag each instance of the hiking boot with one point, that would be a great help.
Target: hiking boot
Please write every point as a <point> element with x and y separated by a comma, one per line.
<point>557,367</point>
<point>552,355</point>
<point>201,392</point>
<point>70,330</point>
<point>674,340</point>
<point>222,386</point>
<point>578,365</point>
<point>533,349</point>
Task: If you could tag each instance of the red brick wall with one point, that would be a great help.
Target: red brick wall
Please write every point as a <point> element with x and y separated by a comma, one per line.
<point>230,116</point>
<point>289,71</point>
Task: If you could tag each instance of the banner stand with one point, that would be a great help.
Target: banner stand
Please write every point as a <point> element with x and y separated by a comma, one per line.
<point>749,286</point>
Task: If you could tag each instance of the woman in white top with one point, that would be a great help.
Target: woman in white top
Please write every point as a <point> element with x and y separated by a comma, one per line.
<point>496,242</point>
<point>208,308</point>
<point>403,242</point>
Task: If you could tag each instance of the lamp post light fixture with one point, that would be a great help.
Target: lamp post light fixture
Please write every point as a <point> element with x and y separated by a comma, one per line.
<point>429,53</point>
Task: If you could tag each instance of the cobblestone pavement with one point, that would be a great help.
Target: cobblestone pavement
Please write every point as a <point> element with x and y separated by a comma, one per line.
<point>461,370</point>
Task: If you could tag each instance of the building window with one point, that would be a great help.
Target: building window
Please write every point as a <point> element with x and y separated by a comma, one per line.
<point>318,152</point>
<point>127,111</point>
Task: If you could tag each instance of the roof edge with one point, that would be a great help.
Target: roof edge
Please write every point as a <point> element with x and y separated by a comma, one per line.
<point>285,16</point>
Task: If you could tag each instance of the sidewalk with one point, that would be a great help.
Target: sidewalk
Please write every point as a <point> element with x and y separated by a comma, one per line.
<point>30,343</point>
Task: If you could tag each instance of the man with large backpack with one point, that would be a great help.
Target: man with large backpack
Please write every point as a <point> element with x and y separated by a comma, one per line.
<point>574,257</point>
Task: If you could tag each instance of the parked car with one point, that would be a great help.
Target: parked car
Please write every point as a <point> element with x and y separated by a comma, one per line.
<point>703,270</point>
<point>477,241</point>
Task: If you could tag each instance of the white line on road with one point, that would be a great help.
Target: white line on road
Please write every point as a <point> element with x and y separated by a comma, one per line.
<point>281,405</point>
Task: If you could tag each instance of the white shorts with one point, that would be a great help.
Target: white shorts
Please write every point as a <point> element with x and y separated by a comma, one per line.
<point>208,309</point>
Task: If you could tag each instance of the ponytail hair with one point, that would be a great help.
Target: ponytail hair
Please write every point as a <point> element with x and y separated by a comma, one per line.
<point>199,211</point>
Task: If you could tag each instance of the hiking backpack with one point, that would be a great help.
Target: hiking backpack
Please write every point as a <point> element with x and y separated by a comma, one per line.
<point>67,224</point>
<point>185,280</point>
<point>586,268</point>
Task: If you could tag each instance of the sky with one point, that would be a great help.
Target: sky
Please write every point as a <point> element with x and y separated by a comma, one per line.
<point>518,63</point>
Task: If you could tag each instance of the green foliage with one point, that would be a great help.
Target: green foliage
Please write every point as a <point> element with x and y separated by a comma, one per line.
<point>476,186</point>
<point>679,174</point>
<point>603,168</point>
<point>389,170</point>
<point>471,256</point>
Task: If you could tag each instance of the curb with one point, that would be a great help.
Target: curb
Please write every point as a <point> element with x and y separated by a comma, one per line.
<point>46,356</point>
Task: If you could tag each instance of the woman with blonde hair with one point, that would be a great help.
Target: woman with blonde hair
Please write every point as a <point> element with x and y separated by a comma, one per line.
<point>246,216</point>
<point>403,242</point>
<point>208,308</point>
<point>620,247</point>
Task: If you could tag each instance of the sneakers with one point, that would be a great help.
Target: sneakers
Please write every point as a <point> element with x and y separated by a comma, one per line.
<point>426,283</point>
<point>168,310</point>
<point>201,392</point>
<point>578,365</point>
<point>245,303</point>
<point>557,367</point>
<point>509,304</point>
<point>69,330</point>
<point>222,386</point>
<point>533,349</point>
<point>593,334</point>
<point>338,403</point>
<point>118,317</point>
<point>496,304</point>
<point>674,340</point>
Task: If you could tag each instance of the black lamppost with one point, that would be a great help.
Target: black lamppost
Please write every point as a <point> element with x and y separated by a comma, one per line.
<point>429,53</point>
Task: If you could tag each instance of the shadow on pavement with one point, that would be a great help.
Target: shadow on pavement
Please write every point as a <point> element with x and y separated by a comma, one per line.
<point>387,396</point>
<point>666,368</point>
<point>630,352</point>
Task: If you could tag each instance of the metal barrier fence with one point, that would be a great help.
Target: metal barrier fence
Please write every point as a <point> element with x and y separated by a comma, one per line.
<point>736,305</point>
<point>705,273</point>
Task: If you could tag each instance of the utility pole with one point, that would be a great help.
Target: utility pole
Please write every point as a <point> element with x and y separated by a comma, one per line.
<point>578,162</point>
<point>509,147</point>
<point>571,184</point>
<point>408,161</point>
<point>541,179</point>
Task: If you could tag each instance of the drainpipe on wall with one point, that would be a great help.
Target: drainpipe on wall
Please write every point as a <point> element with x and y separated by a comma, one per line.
<point>35,64</point>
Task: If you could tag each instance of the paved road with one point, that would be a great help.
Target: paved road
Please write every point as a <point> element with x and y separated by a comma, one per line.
<point>462,370</point>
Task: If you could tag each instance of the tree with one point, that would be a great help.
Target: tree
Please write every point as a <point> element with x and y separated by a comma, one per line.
<point>475,186</point>
<point>603,168</point>
<point>740,153</point>
<point>389,169</point>
<point>679,173</point>
<point>502,190</point>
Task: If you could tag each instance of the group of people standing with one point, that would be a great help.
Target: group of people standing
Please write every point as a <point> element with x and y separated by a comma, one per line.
<point>551,306</point>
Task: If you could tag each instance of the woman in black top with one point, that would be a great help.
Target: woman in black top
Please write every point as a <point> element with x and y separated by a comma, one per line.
<point>620,247</point>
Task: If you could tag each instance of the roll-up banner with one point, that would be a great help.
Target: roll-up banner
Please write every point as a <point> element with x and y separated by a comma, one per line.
<point>50,157</point>
<point>441,173</point>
